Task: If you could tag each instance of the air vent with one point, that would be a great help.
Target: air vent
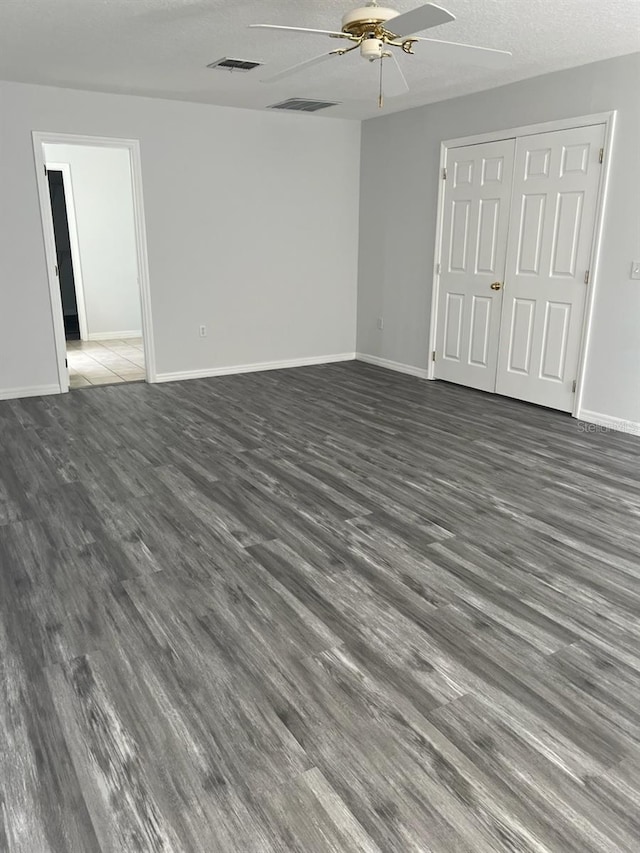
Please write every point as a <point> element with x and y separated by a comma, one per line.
<point>303,105</point>
<point>234,64</point>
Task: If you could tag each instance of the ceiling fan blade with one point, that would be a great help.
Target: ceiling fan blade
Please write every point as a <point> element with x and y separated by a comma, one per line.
<point>294,69</point>
<point>394,82</point>
<point>422,18</point>
<point>472,54</point>
<point>332,33</point>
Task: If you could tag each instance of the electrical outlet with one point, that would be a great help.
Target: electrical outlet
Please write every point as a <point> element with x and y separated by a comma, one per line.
<point>635,269</point>
<point>380,322</point>
<point>203,331</point>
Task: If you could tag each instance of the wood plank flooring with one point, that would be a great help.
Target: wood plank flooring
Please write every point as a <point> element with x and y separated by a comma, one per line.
<point>325,609</point>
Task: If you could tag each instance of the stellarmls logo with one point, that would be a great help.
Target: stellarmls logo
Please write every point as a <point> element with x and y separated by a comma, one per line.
<point>584,426</point>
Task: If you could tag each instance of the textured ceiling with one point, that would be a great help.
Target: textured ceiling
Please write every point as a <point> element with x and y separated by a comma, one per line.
<point>160,47</point>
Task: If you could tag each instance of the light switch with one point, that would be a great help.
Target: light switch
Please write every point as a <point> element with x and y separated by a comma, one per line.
<point>635,269</point>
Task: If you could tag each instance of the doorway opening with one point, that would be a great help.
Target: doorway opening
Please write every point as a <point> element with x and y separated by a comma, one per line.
<point>92,215</point>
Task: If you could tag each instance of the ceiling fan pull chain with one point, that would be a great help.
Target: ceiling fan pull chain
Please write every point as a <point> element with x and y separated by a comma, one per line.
<point>380,95</point>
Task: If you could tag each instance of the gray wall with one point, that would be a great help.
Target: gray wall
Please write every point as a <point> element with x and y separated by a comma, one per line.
<point>252,226</point>
<point>399,187</point>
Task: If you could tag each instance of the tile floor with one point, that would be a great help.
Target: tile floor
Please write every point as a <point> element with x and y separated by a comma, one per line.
<point>105,362</point>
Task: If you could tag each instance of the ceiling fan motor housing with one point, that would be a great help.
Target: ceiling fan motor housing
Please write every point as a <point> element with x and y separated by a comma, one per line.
<point>367,19</point>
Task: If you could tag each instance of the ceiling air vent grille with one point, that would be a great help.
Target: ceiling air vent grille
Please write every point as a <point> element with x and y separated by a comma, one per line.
<point>227,64</point>
<point>302,105</point>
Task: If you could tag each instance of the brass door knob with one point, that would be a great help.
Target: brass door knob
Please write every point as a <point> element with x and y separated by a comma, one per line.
<point>496,285</point>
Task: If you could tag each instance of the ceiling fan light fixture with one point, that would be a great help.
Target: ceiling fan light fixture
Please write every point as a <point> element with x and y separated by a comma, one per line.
<point>371,48</point>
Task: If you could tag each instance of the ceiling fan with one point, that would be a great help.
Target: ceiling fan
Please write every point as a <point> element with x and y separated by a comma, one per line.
<point>374,29</point>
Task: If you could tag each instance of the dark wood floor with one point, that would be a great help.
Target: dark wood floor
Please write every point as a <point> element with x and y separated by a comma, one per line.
<point>326,609</point>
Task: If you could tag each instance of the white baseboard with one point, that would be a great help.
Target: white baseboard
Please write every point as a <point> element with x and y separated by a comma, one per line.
<point>398,366</point>
<point>114,336</point>
<point>252,368</point>
<point>609,421</point>
<point>30,391</point>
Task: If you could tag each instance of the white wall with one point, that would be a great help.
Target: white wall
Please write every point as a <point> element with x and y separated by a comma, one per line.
<point>103,202</point>
<point>252,225</point>
<point>399,187</point>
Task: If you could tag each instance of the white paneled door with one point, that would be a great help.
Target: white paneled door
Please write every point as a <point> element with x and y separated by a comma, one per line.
<point>555,192</point>
<point>517,232</point>
<point>474,243</point>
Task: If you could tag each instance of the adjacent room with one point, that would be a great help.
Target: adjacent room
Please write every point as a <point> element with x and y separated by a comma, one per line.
<point>319,427</point>
<point>93,226</point>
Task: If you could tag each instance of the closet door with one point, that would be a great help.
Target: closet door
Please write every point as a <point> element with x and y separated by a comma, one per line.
<point>555,189</point>
<point>474,243</point>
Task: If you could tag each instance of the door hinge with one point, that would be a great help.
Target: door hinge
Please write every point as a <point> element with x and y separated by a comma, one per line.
<point>444,174</point>
<point>586,277</point>
<point>601,156</point>
<point>433,356</point>
<point>57,271</point>
<point>66,362</point>
<point>46,171</point>
<point>574,386</point>
<point>438,269</point>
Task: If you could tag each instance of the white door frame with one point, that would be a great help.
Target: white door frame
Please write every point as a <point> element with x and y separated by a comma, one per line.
<point>609,120</point>
<point>40,138</point>
<point>76,263</point>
